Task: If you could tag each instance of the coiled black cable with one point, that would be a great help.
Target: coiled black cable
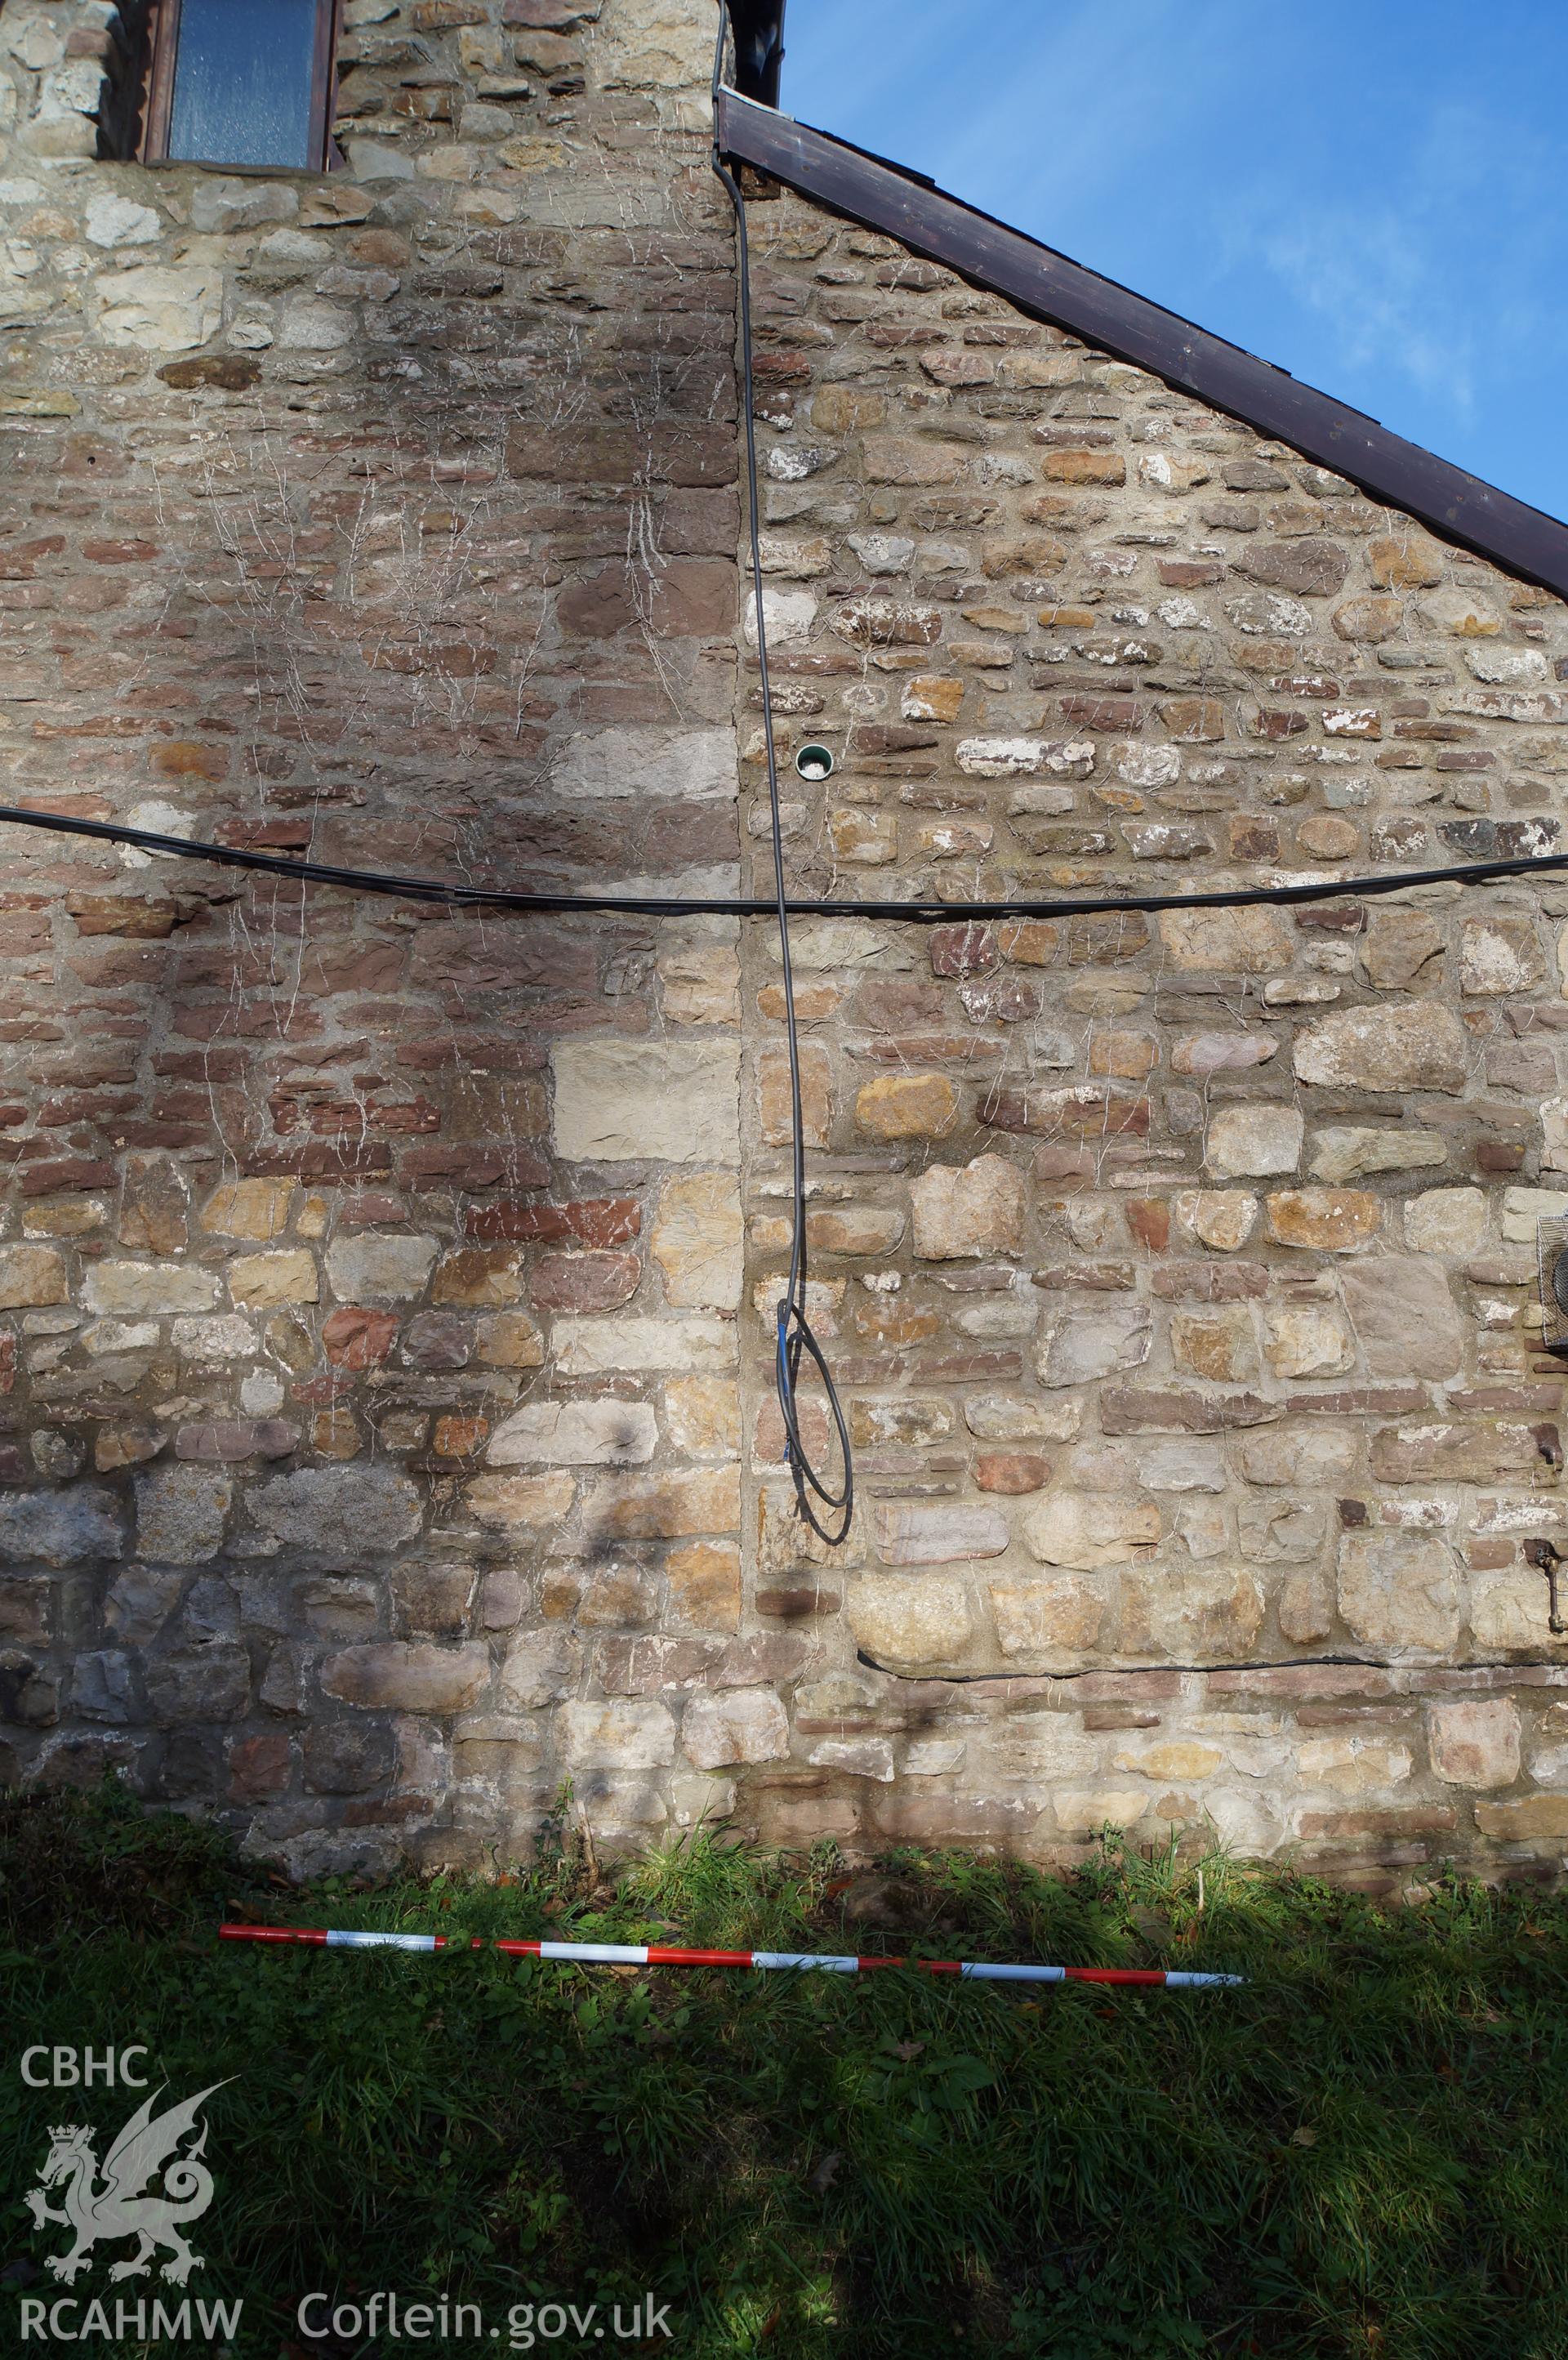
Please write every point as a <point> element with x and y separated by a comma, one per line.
<point>828,1511</point>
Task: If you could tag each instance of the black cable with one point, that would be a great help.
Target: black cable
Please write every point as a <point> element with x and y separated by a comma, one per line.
<point>794,1337</point>
<point>752,905</point>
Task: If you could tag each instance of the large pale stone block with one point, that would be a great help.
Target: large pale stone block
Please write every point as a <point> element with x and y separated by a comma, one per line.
<point>126,1289</point>
<point>786,615</point>
<point>65,1527</point>
<point>704,1582</point>
<point>1086,1529</point>
<point>1247,1141</point>
<point>404,1676</point>
<point>182,1514</point>
<point>225,1337</point>
<point>352,1511</point>
<point>1347,1152</point>
<point>1183,1466</point>
<point>961,1213</point>
<point>1414,1045</point>
<point>786,1544</point>
<point>159,310</point>
<point>1200,1615</point>
<point>533,1503</point>
<point>1306,1339</point>
<point>937,1533</point>
<point>1456,1450</point>
<point>620,1733</point>
<point>1525,1208</point>
<point>1179,1760</point>
<point>774,1101</point>
<point>1222,1053</point>
<point>725,1725</point>
<point>1079,1345</point>
<point>1404,1316</point>
<point>541,1666</point>
<point>588,1346</point>
<point>858,1757</point>
<point>1036,1749</point>
<point>1271,1531</point>
<point>1305,1609</point>
<point>575,1434</point>
<point>1446,1221</point>
<point>647,762</point>
<point>1053,1621</point>
<point>1221,1218</point>
<point>699,977</point>
<point>665,1507</point>
<point>1400,945</point>
<point>366,1268</point>
<point>1310,1455</point>
<point>1532,1817</point>
<point>818,945</point>
<point>309,325</point>
<point>1499,957</point>
<point>1000,758</point>
<point>1508,1610</point>
<point>224,203</point>
<point>249,1208</point>
<point>1399,1591</point>
<point>1324,1221</point>
<point>1084,1811</point>
<point>697,1239</point>
<point>1018,1417</point>
<point>1218,1344</point>
<point>702,1415</point>
<point>1352,1765</point>
<point>906,1420</point>
<point>503,1748</point>
<point>31,1275</point>
<point>907,1106</point>
<point>35,37</point>
<point>1474,1741</point>
<point>910,1623</point>
<point>260,1281</point>
<point>646,1101</point>
<point>1233,942</point>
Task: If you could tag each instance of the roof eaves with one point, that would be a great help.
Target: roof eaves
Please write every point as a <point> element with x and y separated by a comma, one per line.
<point>881,196</point>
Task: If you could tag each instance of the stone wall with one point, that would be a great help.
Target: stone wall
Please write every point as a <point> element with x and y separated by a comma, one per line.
<point>1182,1268</point>
<point>362,1408</point>
<point>383,1297</point>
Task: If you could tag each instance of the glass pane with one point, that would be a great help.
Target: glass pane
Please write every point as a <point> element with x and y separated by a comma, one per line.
<point>241,82</point>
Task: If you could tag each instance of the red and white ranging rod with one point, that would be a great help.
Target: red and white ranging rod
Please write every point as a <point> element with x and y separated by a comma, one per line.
<point>655,1954</point>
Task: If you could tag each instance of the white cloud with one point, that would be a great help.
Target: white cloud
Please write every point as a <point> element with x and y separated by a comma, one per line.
<point>1381,294</point>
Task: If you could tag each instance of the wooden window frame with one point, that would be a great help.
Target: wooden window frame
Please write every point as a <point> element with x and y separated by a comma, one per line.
<point>158,109</point>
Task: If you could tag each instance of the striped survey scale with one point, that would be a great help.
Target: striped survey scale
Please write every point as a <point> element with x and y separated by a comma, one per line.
<point>657,1954</point>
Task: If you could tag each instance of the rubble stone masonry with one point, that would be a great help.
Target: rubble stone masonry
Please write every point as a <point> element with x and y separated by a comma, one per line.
<point>386,1294</point>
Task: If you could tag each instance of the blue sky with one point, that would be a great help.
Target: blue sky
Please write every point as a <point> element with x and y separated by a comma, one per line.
<point>1371,195</point>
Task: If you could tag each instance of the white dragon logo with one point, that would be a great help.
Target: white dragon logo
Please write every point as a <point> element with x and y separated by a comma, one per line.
<point>117,2208</point>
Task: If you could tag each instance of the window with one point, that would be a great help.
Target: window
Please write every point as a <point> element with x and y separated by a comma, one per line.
<point>241,81</point>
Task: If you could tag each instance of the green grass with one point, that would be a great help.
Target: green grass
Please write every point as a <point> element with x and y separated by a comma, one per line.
<point>1365,2152</point>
